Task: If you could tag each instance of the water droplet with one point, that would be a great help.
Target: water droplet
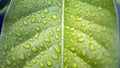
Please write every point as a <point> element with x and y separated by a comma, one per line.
<point>42,1</point>
<point>73,34</point>
<point>49,2</point>
<point>25,23</point>
<point>97,58</point>
<point>99,46</point>
<point>8,62</point>
<point>83,25</point>
<point>46,10</point>
<point>47,40</point>
<point>27,46</point>
<point>51,33</point>
<point>12,49</point>
<point>74,65</point>
<point>99,8</point>
<point>34,49</point>
<point>41,65</point>
<point>92,48</point>
<point>85,4</point>
<point>54,17</point>
<point>39,21</point>
<point>41,45</point>
<point>57,49</point>
<point>36,5</point>
<point>49,19</point>
<point>72,49</point>
<point>21,29</point>
<point>83,53</point>
<point>80,40</point>
<point>33,20</point>
<point>102,62</point>
<point>102,14</point>
<point>5,47</point>
<point>14,59</point>
<point>29,54</point>
<point>28,64</point>
<point>72,29</point>
<point>22,57</point>
<point>42,53</point>
<point>43,16</point>
<point>34,61</point>
<point>56,36</point>
<point>49,63</point>
<point>58,29</point>
<point>31,40</point>
<point>55,57</point>
<point>81,60</point>
<point>19,35</point>
<point>75,6</point>
<point>24,6</point>
<point>37,28</point>
<point>103,29</point>
<point>44,22</point>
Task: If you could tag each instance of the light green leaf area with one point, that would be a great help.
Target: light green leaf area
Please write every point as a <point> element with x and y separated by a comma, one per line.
<point>59,34</point>
<point>118,1</point>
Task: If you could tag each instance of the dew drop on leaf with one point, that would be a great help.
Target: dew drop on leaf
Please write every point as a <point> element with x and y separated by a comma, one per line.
<point>92,48</point>
<point>8,62</point>
<point>34,49</point>
<point>28,64</point>
<point>58,29</point>
<point>56,36</point>
<point>43,16</point>
<point>74,65</point>
<point>57,49</point>
<point>41,65</point>
<point>39,21</point>
<point>99,8</point>
<point>33,20</point>
<point>55,57</point>
<point>46,10</point>
<point>37,28</point>
<point>22,57</point>
<point>14,59</point>
<point>49,63</point>
<point>25,23</point>
<point>29,54</point>
<point>72,49</point>
<point>12,49</point>
<point>51,33</point>
<point>27,46</point>
<point>49,2</point>
<point>44,22</point>
<point>34,61</point>
<point>42,1</point>
<point>80,40</point>
<point>54,16</point>
<point>47,40</point>
<point>18,34</point>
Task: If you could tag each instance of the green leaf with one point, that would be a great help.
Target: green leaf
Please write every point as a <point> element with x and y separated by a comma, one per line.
<point>59,34</point>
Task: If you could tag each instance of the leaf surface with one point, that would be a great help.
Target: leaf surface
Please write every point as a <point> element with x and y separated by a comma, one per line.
<point>36,34</point>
